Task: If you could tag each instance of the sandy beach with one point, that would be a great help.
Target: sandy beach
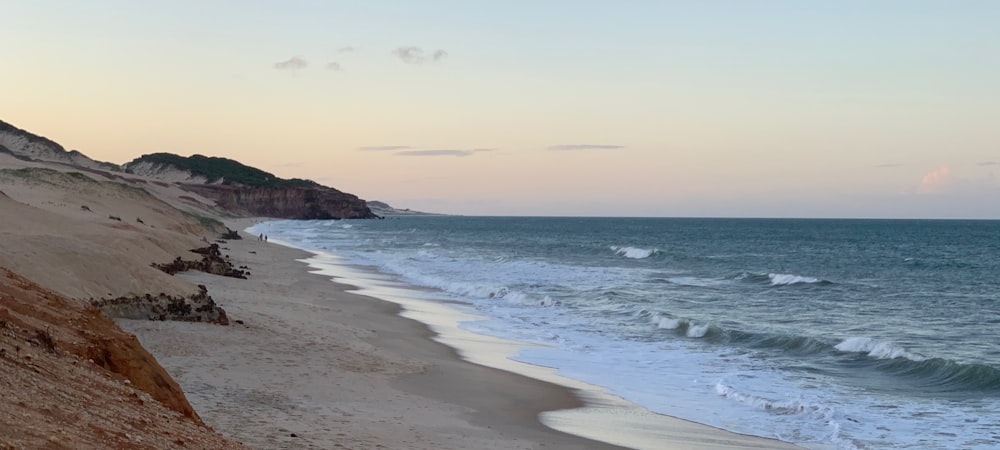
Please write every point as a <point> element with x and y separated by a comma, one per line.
<point>315,365</point>
<point>305,362</point>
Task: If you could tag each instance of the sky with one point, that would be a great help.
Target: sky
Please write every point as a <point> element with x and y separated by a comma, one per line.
<point>709,108</point>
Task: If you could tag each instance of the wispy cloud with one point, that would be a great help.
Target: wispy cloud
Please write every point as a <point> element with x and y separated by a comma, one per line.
<point>347,49</point>
<point>887,165</point>
<point>293,63</point>
<point>406,150</point>
<point>577,147</point>
<point>417,55</point>
<point>935,180</point>
<point>384,148</point>
<point>435,153</point>
<point>332,65</point>
<point>989,163</point>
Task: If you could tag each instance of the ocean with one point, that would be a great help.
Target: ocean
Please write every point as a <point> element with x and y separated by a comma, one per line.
<point>881,334</point>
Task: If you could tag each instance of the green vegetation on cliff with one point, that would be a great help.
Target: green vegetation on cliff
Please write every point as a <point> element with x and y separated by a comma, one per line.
<point>229,171</point>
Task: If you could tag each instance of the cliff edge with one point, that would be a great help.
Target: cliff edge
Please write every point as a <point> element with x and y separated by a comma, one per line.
<point>244,190</point>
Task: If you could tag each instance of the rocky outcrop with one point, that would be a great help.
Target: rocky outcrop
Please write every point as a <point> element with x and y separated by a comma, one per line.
<point>306,203</point>
<point>196,308</point>
<point>211,262</point>
<point>25,145</point>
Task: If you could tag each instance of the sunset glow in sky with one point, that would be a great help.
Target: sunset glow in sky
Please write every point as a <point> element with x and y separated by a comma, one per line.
<point>631,108</point>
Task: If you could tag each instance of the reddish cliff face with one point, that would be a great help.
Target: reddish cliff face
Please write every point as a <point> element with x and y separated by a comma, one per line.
<point>32,318</point>
<point>307,203</point>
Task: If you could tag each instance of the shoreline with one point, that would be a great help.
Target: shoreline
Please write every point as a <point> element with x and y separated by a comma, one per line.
<point>336,365</point>
<point>601,415</point>
<point>315,366</point>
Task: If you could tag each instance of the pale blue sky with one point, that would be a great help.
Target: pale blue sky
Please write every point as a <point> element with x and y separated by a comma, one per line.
<point>694,108</point>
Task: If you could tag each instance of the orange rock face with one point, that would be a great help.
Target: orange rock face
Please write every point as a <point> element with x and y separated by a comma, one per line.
<point>72,379</point>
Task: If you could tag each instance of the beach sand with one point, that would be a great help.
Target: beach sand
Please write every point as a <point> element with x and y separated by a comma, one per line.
<point>315,365</point>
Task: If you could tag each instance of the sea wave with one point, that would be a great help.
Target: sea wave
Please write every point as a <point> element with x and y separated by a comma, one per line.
<point>791,344</point>
<point>781,407</point>
<point>931,374</point>
<point>784,279</point>
<point>940,375</point>
<point>634,252</point>
<point>695,281</point>
<point>683,327</point>
<point>780,279</point>
<point>698,331</point>
<point>876,349</point>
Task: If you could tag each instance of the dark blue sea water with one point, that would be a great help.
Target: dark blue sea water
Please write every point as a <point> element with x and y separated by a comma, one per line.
<point>842,333</point>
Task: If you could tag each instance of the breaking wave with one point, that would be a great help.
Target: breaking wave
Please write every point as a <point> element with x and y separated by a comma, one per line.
<point>683,327</point>
<point>780,279</point>
<point>876,349</point>
<point>634,252</point>
<point>784,279</point>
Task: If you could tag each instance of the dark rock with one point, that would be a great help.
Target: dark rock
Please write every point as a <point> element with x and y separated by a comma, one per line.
<point>212,262</point>
<point>199,307</point>
<point>231,235</point>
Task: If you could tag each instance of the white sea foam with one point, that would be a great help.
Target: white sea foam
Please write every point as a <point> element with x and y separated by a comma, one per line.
<point>795,406</point>
<point>697,331</point>
<point>784,279</point>
<point>666,323</point>
<point>876,349</point>
<point>634,252</point>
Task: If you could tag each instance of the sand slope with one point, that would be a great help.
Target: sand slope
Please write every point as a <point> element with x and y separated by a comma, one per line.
<point>58,228</point>
<point>95,386</point>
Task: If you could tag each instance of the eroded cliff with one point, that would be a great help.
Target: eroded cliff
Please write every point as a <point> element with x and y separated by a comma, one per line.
<point>244,190</point>
<point>306,203</point>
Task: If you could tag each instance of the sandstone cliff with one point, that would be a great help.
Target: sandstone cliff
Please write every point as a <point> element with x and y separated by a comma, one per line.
<point>305,203</point>
<point>244,190</point>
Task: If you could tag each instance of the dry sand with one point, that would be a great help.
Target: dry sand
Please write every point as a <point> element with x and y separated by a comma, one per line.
<point>315,365</point>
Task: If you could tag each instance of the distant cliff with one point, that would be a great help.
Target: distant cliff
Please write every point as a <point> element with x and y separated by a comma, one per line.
<point>246,190</point>
<point>236,188</point>
<point>384,209</point>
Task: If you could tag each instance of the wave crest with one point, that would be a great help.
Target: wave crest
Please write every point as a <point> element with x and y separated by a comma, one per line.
<point>779,279</point>
<point>634,252</point>
<point>876,349</point>
<point>785,279</point>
